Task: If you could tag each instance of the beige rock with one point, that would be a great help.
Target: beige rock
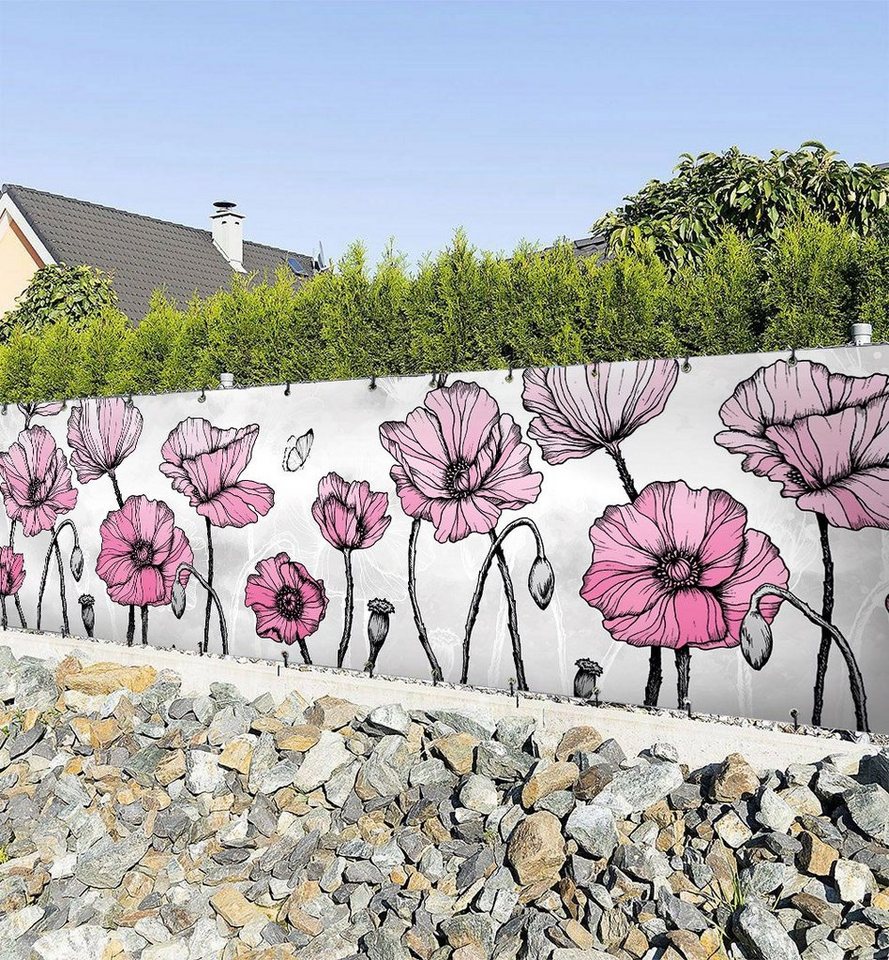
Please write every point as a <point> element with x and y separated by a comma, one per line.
<point>736,779</point>
<point>102,678</point>
<point>578,740</point>
<point>547,779</point>
<point>97,733</point>
<point>816,857</point>
<point>171,769</point>
<point>301,738</point>
<point>234,907</point>
<point>237,754</point>
<point>457,750</point>
<point>331,713</point>
<point>536,849</point>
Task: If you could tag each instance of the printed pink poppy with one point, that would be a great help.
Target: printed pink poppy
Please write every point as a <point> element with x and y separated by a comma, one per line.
<point>12,572</point>
<point>205,464</point>
<point>48,408</point>
<point>288,602</point>
<point>677,568</point>
<point>141,550</point>
<point>461,462</point>
<point>820,434</point>
<point>35,481</point>
<point>583,409</point>
<point>350,515</point>
<point>102,433</point>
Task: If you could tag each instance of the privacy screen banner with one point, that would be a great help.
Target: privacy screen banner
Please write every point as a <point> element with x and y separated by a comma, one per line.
<point>661,532</point>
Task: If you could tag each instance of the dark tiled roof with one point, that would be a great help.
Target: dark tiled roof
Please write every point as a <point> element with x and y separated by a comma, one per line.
<point>140,253</point>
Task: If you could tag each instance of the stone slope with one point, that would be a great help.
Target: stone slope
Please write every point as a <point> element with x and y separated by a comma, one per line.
<point>139,821</point>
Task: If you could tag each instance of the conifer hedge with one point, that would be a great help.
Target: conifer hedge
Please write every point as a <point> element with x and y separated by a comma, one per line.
<point>468,310</point>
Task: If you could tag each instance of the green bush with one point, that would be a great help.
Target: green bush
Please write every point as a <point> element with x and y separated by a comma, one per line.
<point>468,310</point>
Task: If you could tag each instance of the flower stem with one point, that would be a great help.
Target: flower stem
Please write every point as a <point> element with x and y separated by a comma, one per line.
<point>213,598</point>
<point>512,614</point>
<point>683,674</point>
<point>144,626</point>
<point>18,603</point>
<point>304,650</point>
<point>131,626</point>
<point>827,614</point>
<point>483,576</point>
<point>3,612</point>
<point>655,665</point>
<point>412,590</point>
<point>856,681</point>
<point>209,584</point>
<point>54,548</point>
<point>348,609</point>
<point>116,486</point>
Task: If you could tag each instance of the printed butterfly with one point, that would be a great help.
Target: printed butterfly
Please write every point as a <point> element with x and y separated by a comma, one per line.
<point>297,451</point>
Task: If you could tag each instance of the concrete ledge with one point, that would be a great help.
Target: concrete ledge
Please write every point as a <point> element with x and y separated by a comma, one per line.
<point>698,741</point>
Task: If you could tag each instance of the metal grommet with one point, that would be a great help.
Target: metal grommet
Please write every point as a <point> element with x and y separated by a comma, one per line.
<point>287,389</point>
<point>686,365</point>
<point>373,382</point>
<point>792,361</point>
<point>509,376</point>
<point>203,397</point>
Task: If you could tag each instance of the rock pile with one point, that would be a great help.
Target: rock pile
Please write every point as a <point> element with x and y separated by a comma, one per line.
<point>139,821</point>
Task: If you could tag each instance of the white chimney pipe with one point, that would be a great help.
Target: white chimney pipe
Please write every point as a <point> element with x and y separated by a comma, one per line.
<point>228,233</point>
<point>862,334</point>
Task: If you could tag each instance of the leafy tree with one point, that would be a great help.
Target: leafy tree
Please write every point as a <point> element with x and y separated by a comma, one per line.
<point>17,358</point>
<point>102,354</point>
<point>144,352</point>
<point>60,292</point>
<point>57,363</point>
<point>757,198</point>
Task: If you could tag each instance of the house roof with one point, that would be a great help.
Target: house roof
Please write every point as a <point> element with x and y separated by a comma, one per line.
<point>140,253</point>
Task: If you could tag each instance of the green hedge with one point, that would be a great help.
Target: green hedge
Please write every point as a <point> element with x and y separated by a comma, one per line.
<point>466,310</point>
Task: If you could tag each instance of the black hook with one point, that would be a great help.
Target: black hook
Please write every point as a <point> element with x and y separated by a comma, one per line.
<point>203,397</point>
<point>795,714</point>
<point>373,382</point>
<point>130,399</point>
<point>434,381</point>
<point>442,380</point>
<point>287,389</point>
<point>3,409</point>
<point>792,361</point>
<point>595,370</point>
<point>509,376</point>
<point>688,709</point>
<point>686,366</point>
<point>284,655</point>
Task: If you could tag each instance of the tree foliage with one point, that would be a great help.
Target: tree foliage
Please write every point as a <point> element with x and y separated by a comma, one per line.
<point>680,219</point>
<point>59,292</point>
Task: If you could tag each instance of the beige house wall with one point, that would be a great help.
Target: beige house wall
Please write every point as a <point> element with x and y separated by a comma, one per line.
<point>18,263</point>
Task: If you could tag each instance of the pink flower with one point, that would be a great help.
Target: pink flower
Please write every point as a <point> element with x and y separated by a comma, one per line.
<point>205,465</point>
<point>141,551</point>
<point>583,409</point>
<point>35,481</point>
<point>460,462</point>
<point>12,572</point>
<point>350,515</point>
<point>678,567</point>
<point>288,602</point>
<point>102,434</point>
<point>47,409</point>
<point>822,435</point>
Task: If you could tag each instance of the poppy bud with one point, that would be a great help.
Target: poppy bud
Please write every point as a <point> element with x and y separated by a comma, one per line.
<point>88,613</point>
<point>541,581</point>
<point>77,562</point>
<point>756,639</point>
<point>177,599</point>
<point>377,629</point>
<point>586,680</point>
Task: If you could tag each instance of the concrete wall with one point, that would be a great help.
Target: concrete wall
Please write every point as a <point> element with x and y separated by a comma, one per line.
<point>698,742</point>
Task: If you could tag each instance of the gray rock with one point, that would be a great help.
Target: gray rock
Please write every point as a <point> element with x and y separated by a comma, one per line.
<point>319,763</point>
<point>679,914</point>
<point>868,807</point>
<point>105,864</point>
<point>774,813</point>
<point>632,791</point>
<point>593,828</point>
<point>479,793</point>
<point>643,863</point>
<point>24,741</point>
<point>761,935</point>
<point>390,718</point>
<point>202,772</point>
<point>501,762</point>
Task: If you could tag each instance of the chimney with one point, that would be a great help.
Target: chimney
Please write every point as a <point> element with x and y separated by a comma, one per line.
<point>228,233</point>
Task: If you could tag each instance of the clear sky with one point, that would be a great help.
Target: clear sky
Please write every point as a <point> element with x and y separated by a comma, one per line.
<point>374,120</point>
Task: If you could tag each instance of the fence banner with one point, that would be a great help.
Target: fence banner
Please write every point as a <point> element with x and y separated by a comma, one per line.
<point>662,531</point>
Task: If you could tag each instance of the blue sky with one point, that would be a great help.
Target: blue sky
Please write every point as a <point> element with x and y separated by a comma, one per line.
<point>372,120</point>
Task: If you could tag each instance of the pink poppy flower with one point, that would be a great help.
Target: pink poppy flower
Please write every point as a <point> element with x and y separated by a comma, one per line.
<point>351,516</point>
<point>35,481</point>
<point>48,408</point>
<point>141,550</point>
<point>288,602</point>
<point>12,572</point>
<point>677,568</point>
<point>583,409</point>
<point>102,433</point>
<point>822,435</point>
<point>460,462</point>
<point>205,464</point>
